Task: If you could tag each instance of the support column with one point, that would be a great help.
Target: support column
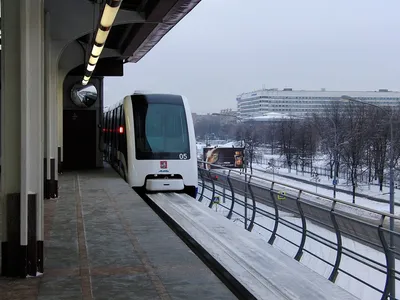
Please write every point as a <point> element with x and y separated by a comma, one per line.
<point>51,166</point>
<point>40,202</point>
<point>22,94</point>
<point>47,76</point>
<point>54,134</point>
<point>10,134</point>
<point>60,109</point>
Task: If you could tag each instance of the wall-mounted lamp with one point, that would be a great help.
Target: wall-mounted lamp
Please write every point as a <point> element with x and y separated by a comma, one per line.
<point>107,19</point>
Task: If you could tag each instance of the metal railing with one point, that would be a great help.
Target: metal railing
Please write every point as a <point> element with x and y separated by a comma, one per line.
<point>316,220</point>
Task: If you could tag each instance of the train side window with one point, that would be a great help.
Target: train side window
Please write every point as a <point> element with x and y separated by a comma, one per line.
<point>118,118</point>
<point>105,127</point>
<point>112,129</point>
<point>114,132</point>
<point>118,136</point>
<point>123,119</point>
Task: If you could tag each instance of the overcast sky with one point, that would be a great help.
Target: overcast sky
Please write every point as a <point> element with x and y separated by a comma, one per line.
<point>225,47</point>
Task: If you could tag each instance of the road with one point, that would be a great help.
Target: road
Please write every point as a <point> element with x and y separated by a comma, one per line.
<point>329,187</point>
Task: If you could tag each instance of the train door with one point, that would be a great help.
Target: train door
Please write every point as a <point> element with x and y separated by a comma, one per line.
<point>123,145</point>
<point>117,125</point>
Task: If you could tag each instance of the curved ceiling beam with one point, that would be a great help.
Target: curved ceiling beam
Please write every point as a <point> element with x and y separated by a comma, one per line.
<point>109,66</point>
<point>164,16</point>
<point>72,19</point>
<point>73,55</point>
<point>136,32</point>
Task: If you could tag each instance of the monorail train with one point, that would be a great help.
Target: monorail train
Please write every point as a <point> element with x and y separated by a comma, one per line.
<point>149,139</point>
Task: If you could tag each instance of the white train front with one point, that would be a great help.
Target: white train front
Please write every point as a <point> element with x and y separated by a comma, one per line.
<point>149,139</point>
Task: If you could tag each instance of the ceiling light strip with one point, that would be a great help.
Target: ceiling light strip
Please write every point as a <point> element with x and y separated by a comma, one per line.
<point>107,19</point>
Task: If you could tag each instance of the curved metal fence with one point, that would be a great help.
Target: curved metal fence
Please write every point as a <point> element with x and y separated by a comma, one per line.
<point>342,241</point>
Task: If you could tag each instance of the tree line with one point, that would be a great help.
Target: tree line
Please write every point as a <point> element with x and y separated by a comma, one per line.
<point>355,138</point>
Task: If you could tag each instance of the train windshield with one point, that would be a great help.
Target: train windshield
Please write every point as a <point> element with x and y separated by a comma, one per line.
<point>160,127</point>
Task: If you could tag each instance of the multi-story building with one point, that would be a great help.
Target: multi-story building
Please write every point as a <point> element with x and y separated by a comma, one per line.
<point>228,116</point>
<point>298,103</point>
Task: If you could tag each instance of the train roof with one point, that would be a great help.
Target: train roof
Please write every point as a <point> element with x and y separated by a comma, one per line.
<point>120,102</point>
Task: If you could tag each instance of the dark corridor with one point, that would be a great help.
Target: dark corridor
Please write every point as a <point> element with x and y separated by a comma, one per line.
<point>79,139</point>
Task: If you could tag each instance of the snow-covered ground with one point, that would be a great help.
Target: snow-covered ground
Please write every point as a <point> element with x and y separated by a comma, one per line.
<point>320,163</point>
<point>260,170</point>
<point>350,265</point>
<point>369,191</point>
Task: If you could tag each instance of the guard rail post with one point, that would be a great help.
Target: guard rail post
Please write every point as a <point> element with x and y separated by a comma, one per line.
<point>299,253</point>
<point>339,251</point>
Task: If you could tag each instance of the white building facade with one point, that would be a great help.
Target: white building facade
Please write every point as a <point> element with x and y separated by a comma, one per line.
<point>298,103</point>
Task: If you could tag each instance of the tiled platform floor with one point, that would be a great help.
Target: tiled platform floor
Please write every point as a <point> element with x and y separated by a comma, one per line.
<point>102,241</point>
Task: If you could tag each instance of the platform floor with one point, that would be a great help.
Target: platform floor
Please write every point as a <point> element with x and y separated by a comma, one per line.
<point>102,241</point>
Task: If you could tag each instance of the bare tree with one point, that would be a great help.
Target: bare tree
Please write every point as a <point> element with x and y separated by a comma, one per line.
<point>355,138</point>
<point>378,145</point>
<point>330,128</point>
<point>271,132</point>
<point>396,135</point>
<point>228,131</point>
<point>305,143</point>
<point>353,150</point>
<point>286,139</point>
<point>250,135</point>
<point>208,126</point>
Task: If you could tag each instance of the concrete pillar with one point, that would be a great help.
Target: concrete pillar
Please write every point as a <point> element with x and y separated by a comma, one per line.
<point>22,143</point>
<point>60,109</point>
<point>40,206</point>
<point>47,43</point>
<point>10,131</point>
<point>50,161</point>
